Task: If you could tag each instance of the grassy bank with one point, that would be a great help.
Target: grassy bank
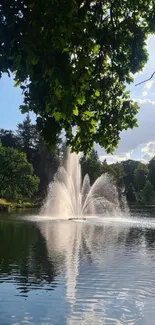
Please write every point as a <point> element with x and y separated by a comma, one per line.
<point>6,206</point>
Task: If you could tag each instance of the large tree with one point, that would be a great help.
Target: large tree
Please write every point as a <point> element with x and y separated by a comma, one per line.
<point>17,181</point>
<point>72,59</point>
<point>45,161</point>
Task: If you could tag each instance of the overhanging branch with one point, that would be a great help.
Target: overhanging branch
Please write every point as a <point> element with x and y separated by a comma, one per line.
<point>146,79</point>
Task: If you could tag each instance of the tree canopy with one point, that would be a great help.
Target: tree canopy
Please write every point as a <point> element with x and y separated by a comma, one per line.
<point>17,181</point>
<point>72,59</point>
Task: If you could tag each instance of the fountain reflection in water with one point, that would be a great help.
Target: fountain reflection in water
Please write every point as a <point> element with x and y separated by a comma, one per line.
<point>88,250</point>
<point>69,197</point>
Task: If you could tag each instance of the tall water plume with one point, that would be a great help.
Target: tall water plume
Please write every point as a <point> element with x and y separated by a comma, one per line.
<point>69,196</point>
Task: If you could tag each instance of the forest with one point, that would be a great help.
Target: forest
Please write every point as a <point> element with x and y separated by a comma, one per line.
<point>28,165</point>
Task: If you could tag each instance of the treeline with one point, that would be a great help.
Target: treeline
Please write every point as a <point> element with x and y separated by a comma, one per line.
<point>135,179</point>
<point>27,166</point>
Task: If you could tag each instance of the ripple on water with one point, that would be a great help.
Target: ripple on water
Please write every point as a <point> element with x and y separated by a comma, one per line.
<point>88,272</point>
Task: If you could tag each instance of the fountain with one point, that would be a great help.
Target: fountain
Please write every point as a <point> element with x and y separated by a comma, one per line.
<point>70,197</point>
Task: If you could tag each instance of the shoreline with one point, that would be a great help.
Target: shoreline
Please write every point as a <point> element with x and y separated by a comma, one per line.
<point>8,206</point>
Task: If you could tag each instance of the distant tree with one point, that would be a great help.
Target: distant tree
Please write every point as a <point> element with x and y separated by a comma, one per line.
<point>44,160</point>
<point>106,168</point>
<point>91,165</point>
<point>130,193</point>
<point>147,192</point>
<point>118,173</point>
<point>140,175</point>
<point>129,167</point>
<point>8,138</point>
<point>28,138</point>
<point>17,180</point>
<point>151,175</point>
<point>46,163</point>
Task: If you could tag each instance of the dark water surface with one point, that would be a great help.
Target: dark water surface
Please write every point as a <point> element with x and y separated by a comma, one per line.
<point>67,272</point>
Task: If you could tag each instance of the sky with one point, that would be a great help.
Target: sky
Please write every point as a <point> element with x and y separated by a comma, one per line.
<point>138,143</point>
<point>10,100</point>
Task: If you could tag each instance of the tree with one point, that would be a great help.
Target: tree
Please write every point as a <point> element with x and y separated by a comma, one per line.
<point>8,138</point>
<point>45,162</point>
<point>91,165</point>
<point>72,59</point>
<point>118,172</point>
<point>147,192</point>
<point>151,168</point>
<point>129,167</point>
<point>130,193</point>
<point>28,138</point>
<point>140,175</point>
<point>17,180</point>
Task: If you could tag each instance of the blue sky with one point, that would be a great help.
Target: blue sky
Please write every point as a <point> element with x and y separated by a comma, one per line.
<point>10,100</point>
<point>138,143</point>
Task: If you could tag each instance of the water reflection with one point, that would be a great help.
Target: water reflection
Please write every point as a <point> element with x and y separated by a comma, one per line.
<point>76,272</point>
<point>23,256</point>
<point>105,270</point>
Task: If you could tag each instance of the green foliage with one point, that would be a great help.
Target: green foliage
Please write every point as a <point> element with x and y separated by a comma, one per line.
<point>130,193</point>
<point>8,138</point>
<point>129,167</point>
<point>140,175</point>
<point>147,192</point>
<point>117,171</point>
<point>72,60</point>
<point>45,162</point>
<point>91,165</point>
<point>151,168</point>
<point>27,138</point>
<point>17,181</point>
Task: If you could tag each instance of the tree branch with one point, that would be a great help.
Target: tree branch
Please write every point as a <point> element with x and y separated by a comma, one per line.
<point>146,79</point>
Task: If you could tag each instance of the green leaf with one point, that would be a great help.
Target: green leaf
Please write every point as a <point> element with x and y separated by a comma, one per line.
<point>76,111</point>
<point>95,49</point>
<point>81,100</point>
<point>24,109</point>
<point>97,93</point>
<point>66,49</point>
<point>57,116</point>
<point>17,84</point>
<point>34,61</point>
<point>58,93</point>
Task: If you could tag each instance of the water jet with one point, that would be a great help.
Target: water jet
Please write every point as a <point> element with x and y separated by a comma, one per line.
<point>71,197</point>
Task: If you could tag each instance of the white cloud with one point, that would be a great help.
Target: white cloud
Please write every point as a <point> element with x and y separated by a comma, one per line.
<point>144,93</point>
<point>144,133</point>
<point>149,84</point>
<point>148,151</point>
<point>144,101</point>
<point>145,154</point>
<point>115,158</point>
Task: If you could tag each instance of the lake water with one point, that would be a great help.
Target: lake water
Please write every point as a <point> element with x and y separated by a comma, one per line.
<point>66,272</point>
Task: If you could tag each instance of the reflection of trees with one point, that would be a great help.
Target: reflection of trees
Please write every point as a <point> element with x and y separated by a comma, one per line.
<point>23,256</point>
<point>137,235</point>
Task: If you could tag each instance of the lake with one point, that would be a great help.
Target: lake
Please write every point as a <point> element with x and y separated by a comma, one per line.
<point>73,272</point>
